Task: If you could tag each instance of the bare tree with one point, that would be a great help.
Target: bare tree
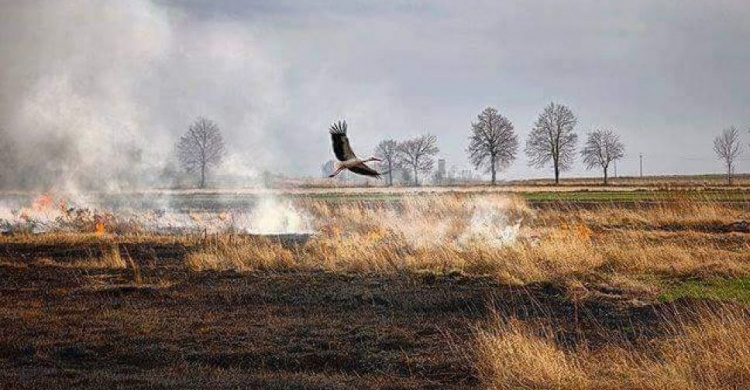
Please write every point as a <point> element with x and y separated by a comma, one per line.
<point>387,150</point>
<point>553,139</point>
<point>602,148</point>
<point>201,147</point>
<point>418,154</point>
<point>728,148</point>
<point>493,143</point>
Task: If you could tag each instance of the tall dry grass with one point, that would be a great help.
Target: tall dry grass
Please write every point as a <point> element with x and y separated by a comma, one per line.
<point>226,253</point>
<point>483,234</point>
<point>500,235</point>
<point>675,214</point>
<point>712,353</point>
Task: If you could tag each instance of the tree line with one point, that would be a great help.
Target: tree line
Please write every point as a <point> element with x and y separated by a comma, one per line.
<point>552,142</point>
<point>493,146</point>
<point>415,155</point>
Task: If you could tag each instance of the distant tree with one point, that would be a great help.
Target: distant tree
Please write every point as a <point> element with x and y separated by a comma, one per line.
<point>387,150</point>
<point>201,147</point>
<point>728,148</point>
<point>418,154</point>
<point>602,148</point>
<point>553,139</point>
<point>493,143</point>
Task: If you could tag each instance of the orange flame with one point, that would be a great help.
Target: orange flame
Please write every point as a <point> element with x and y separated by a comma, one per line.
<point>577,228</point>
<point>100,228</point>
<point>43,202</point>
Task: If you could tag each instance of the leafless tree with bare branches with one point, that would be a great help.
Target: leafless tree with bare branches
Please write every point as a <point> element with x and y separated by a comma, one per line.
<point>553,139</point>
<point>201,147</point>
<point>728,148</point>
<point>387,150</point>
<point>493,143</point>
<point>418,154</point>
<point>602,148</point>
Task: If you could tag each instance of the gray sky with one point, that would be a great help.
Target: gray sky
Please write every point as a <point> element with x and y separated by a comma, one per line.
<point>667,76</point>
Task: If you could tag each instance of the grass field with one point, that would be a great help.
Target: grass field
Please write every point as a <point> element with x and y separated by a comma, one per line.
<point>435,289</point>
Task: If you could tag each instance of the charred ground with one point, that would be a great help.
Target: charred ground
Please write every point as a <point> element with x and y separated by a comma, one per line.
<point>370,309</point>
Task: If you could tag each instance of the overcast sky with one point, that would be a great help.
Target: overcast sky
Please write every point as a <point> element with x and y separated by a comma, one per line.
<point>666,75</point>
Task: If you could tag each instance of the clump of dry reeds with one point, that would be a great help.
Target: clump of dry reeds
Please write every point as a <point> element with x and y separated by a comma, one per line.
<point>234,254</point>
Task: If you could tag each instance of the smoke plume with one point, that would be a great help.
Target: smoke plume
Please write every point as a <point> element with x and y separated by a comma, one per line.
<point>95,92</point>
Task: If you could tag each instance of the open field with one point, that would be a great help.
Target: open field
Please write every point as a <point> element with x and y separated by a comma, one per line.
<point>414,290</point>
<point>215,200</point>
<point>670,181</point>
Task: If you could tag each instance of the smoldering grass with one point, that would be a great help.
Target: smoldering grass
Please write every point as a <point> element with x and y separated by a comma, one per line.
<point>466,233</point>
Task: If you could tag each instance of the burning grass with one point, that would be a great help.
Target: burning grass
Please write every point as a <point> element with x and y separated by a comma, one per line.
<point>416,262</point>
<point>475,234</point>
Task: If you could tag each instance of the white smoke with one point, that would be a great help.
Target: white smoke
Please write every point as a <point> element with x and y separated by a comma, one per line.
<point>491,223</point>
<point>273,216</point>
<point>47,213</point>
<point>426,222</point>
<point>95,93</point>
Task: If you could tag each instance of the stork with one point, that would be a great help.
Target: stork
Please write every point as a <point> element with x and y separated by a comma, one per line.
<point>348,160</point>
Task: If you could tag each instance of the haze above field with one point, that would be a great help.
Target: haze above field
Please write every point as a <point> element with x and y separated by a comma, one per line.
<point>91,88</point>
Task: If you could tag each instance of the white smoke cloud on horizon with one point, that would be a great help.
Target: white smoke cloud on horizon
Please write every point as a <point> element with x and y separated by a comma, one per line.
<point>96,92</point>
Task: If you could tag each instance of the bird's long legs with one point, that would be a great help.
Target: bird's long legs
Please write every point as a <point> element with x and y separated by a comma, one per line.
<point>339,169</point>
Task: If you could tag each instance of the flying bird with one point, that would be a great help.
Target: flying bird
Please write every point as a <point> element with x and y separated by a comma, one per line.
<point>344,153</point>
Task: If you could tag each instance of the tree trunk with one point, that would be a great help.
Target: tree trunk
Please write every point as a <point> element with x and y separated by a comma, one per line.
<point>729,175</point>
<point>605,176</point>
<point>203,176</point>
<point>390,174</point>
<point>416,178</point>
<point>492,168</point>
<point>557,174</point>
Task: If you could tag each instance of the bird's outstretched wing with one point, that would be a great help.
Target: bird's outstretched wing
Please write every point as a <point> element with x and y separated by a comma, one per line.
<point>341,147</point>
<point>364,170</point>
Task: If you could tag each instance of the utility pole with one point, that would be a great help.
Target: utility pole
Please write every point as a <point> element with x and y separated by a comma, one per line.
<point>641,156</point>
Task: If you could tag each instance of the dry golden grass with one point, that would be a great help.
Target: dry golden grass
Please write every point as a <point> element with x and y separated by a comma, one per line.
<point>683,213</point>
<point>458,232</point>
<point>228,254</point>
<point>712,353</point>
<point>489,234</point>
<point>515,355</point>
